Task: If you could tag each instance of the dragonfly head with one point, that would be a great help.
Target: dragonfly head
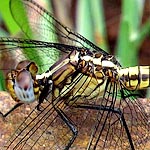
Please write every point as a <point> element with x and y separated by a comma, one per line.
<point>21,82</point>
<point>23,86</point>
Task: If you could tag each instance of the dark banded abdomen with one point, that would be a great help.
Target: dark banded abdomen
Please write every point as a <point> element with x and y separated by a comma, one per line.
<point>134,78</point>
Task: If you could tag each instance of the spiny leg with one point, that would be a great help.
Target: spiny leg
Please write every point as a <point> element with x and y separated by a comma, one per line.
<point>109,109</point>
<point>70,124</point>
<point>11,110</point>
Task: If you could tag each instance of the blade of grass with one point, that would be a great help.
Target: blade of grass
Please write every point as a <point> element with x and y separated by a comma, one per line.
<point>99,25</point>
<point>127,49</point>
<point>84,19</point>
<point>90,22</point>
<point>144,32</point>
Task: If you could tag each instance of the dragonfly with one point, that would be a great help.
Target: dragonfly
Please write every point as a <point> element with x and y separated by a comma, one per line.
<point>86,99</point>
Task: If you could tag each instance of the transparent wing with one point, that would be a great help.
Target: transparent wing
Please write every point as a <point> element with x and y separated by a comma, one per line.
<point>38,131</point>
<point>44,27</point>
<point>43,53</point>
<point>45,129</point>
<point>115,121</point>
<point>122,122</point>
<point>40,25</point>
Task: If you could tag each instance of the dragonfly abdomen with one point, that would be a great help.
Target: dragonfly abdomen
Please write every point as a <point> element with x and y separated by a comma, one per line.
<point>134,78</point>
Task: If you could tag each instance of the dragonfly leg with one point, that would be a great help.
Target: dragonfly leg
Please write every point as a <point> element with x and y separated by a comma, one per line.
<point>114,110</point>
<point>11,110</point>
<point>70,124</point>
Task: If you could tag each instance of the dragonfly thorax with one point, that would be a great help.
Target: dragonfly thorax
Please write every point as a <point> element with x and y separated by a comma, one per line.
<point>84,66</point>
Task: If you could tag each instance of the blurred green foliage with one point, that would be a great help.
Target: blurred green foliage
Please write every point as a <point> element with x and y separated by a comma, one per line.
<point>90,22</point>
<point>11,25</point>
<point>131,34</point>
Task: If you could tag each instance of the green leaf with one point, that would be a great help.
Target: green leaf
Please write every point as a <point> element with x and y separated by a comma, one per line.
<point>99,26</point>
<point>90,22</point>
<point>129,34</point>
<point>84,19</point>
